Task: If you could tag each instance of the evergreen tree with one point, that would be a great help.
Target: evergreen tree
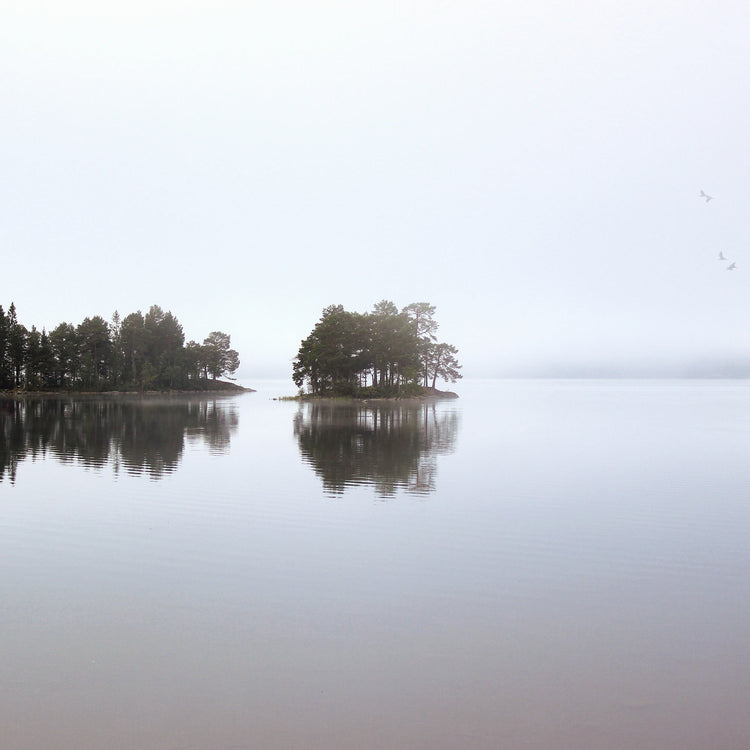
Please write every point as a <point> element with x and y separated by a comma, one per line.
<point>421,316</point>
<point>133,348</point>
<point>332,354</point>
<point>194,361</point>
<point>95,350</point>
<point>442,363</point>
<point>394,345</point>
<point>219,358</point>
<point>6,380</point>
<point>46,362</point>
<point>63,341</point>
<point>164,339</point>
<point>33,366</point>
<point>116,356</point>
<point>17,335</point>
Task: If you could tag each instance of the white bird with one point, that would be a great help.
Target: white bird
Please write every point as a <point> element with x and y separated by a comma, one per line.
<point>721,257</point>
<point>731,266</point>
<point>706,196</point>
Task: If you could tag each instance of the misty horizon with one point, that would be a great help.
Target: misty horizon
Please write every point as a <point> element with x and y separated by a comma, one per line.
<point>534,171</point>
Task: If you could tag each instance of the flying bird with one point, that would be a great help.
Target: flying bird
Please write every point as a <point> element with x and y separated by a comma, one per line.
<point>731,266</point>
<point>721,257</point>
<point>706,196</point>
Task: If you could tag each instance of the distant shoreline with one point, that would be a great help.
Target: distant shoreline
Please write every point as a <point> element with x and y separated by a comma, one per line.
<point>217,387</point>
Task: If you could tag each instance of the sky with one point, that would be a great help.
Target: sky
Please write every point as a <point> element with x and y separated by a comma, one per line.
<point>531,169</point>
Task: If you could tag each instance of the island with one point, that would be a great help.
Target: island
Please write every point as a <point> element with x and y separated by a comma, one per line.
<point>386,353</point>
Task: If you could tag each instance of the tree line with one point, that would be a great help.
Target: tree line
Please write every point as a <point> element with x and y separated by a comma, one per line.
<point>381,352</point>
<point>137,352</point>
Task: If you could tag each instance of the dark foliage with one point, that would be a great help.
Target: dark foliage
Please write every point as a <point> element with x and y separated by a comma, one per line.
<point>135,353</point>
<point>382,353</point>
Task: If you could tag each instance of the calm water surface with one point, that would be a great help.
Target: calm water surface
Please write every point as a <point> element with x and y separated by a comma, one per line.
<point>539,564</point>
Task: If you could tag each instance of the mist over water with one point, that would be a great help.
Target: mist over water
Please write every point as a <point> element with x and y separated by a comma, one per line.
<point>536,564</point>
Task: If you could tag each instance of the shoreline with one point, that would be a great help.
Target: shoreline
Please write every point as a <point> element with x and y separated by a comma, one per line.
<point>431,395</point>
<point>222,388</point>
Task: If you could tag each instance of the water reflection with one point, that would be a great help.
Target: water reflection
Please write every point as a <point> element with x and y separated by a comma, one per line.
<point>391,447</point>
<point>137,435</point>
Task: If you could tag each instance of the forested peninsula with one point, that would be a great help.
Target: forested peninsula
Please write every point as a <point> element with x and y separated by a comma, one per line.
<point>135,353</point>
<point>384,353</point>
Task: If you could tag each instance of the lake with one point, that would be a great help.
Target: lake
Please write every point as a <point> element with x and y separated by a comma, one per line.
<point>539,564</point>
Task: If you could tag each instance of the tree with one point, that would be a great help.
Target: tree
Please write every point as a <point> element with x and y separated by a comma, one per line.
<point>133,347</point>
<point>334,353</point>
<point>40,365</point>
<point>394,345</point>
<point>442,363</point>
<point>421,316</point>
<point>115,327</point>
<point>164,339</point>
<point>95,350</point>
<point>63,341</point>
<point>6,378</point>
<point>194,360</point>
<point>46,361</point>
<point>34,365</point>
<point>220,359</point>
<point>17,335</point>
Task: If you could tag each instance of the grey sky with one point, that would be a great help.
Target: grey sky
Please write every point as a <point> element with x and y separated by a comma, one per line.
<point>532,169</point>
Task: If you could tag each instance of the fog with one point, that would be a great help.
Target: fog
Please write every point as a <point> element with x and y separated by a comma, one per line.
<point>532,169</point>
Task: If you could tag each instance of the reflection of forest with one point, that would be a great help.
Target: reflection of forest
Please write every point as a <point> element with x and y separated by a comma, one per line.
<point>139,435</point>
<point>390,447</point>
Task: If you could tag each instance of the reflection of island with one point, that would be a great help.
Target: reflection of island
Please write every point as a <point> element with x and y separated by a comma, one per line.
<point>388,446</point>
<point>139,435</point>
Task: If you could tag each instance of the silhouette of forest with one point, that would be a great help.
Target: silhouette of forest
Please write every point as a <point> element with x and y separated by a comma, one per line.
<point>137,352</point>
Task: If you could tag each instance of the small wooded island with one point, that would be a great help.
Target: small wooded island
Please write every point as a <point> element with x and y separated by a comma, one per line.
<point>135,353</point>
<point>385,353</point>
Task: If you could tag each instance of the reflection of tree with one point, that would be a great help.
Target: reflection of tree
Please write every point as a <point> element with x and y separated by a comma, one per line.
<point>141,435</point>
<point>391,447</point>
